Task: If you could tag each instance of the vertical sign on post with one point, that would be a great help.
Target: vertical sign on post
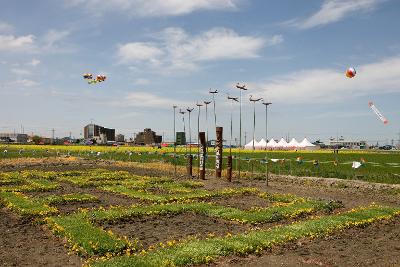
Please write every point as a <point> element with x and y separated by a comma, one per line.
<point>202,159</point>
<point>218,153</point>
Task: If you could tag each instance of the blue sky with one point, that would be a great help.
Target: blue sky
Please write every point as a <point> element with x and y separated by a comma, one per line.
<point>157,53</point>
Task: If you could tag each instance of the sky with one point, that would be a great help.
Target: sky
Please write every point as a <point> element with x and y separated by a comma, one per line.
<point>160,53</point>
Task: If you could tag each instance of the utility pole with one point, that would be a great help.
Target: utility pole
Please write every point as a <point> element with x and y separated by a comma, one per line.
<point>215,114</point>
<point>184,128</point>
<point>174,107</point>
<point>190,158</point>
<point>198,139</point>
<point>52,138</point>
<point>229,163</point>
<point>241,88</point>
<point>254,100</point>
<point>266,104</point>
<point>206,103</point>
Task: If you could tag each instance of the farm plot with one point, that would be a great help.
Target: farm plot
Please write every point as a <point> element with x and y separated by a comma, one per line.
<point>116,218</point>
<point>377,166</point>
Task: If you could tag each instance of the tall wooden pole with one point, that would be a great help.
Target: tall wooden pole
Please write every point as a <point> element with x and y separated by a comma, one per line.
<point>202,162</point>
<point>218,152</point>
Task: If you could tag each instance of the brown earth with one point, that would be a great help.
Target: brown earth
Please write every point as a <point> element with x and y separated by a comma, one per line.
<point>106,199</point>
<point>151,230</point>
<point>24,244</point>
<point>244,202</point>
<point>375,245</point>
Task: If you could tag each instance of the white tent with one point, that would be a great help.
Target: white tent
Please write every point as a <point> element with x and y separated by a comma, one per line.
<point>293,143</point>
<point>262,144</point>
<point>305,144</point>
<point>250,145</point>
<point>271,143</point>
<point>282,143</point>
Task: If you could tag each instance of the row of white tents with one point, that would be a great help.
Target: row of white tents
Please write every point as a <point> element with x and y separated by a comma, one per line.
<point>281,145</point>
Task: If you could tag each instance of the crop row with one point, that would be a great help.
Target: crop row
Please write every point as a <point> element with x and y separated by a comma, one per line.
<point>201,251</point>
<point>27,206</point>
<point>86,238</point>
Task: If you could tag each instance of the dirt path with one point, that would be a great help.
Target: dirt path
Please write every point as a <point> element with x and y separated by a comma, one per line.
<point>24,244</point>
<point>376,245</point>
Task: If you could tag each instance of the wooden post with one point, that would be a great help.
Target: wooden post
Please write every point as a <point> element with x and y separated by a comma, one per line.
<point>218,152</point>
<point>202,158</point>
<point>189,165</point>
<point>229,169</point>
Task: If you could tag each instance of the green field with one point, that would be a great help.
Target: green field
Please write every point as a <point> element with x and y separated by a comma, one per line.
<point>86,232</point>
<point>380,167</point>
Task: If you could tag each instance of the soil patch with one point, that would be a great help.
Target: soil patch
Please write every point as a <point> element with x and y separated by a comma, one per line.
<point>24,244</point>
<point>375,245</point>
<point>106,199</point>
<point>150,230</point>
<point>243,202</point>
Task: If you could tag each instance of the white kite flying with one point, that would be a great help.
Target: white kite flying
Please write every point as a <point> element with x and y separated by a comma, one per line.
<point>378,113</point>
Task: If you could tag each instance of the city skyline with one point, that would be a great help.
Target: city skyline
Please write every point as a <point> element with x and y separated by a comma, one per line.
<point>157,54</point>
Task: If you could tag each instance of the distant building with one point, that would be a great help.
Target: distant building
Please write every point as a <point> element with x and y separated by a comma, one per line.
<point>180,138</point>
<point>120,138</point>
<point>99,133</point>
<point>13,138</point>
<point>147,137</point>
<point>341,142</point>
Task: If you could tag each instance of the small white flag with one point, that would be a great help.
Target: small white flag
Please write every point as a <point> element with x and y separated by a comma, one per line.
<point>356,165</point>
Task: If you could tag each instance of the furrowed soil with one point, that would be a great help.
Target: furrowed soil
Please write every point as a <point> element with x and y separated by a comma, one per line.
<point>151,230</point>
<point>105,199</point>
<point>375,245</point>
<point>244,202</point>
<point>24,244</point>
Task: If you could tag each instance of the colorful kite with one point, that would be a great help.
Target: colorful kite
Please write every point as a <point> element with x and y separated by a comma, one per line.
<point>101,78</point>
<point>377,112</point>
<point>350,72</point>
<point>89,77</point>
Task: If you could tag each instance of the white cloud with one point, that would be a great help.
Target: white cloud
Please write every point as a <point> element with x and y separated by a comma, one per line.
<point>19,71</point>
<point>34,62</point>
<point>177,50</point>
<point>332,11</point>
<point>330,85</point>
<point>147,100</point>
<point>5,27</point>
<point>135,52</point>
<point>142,81</point>
<point>152,8</point>
<point>12,43</point>
<point>53,37</point>
<point>26,83</point>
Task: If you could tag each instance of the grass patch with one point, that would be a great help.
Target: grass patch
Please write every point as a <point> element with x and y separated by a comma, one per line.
<point>271,214</point>
<point>204,251</point>
<point>181,196</point>
<point>68,198</point>
<point>24,205</point>
<point>85,238</point>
